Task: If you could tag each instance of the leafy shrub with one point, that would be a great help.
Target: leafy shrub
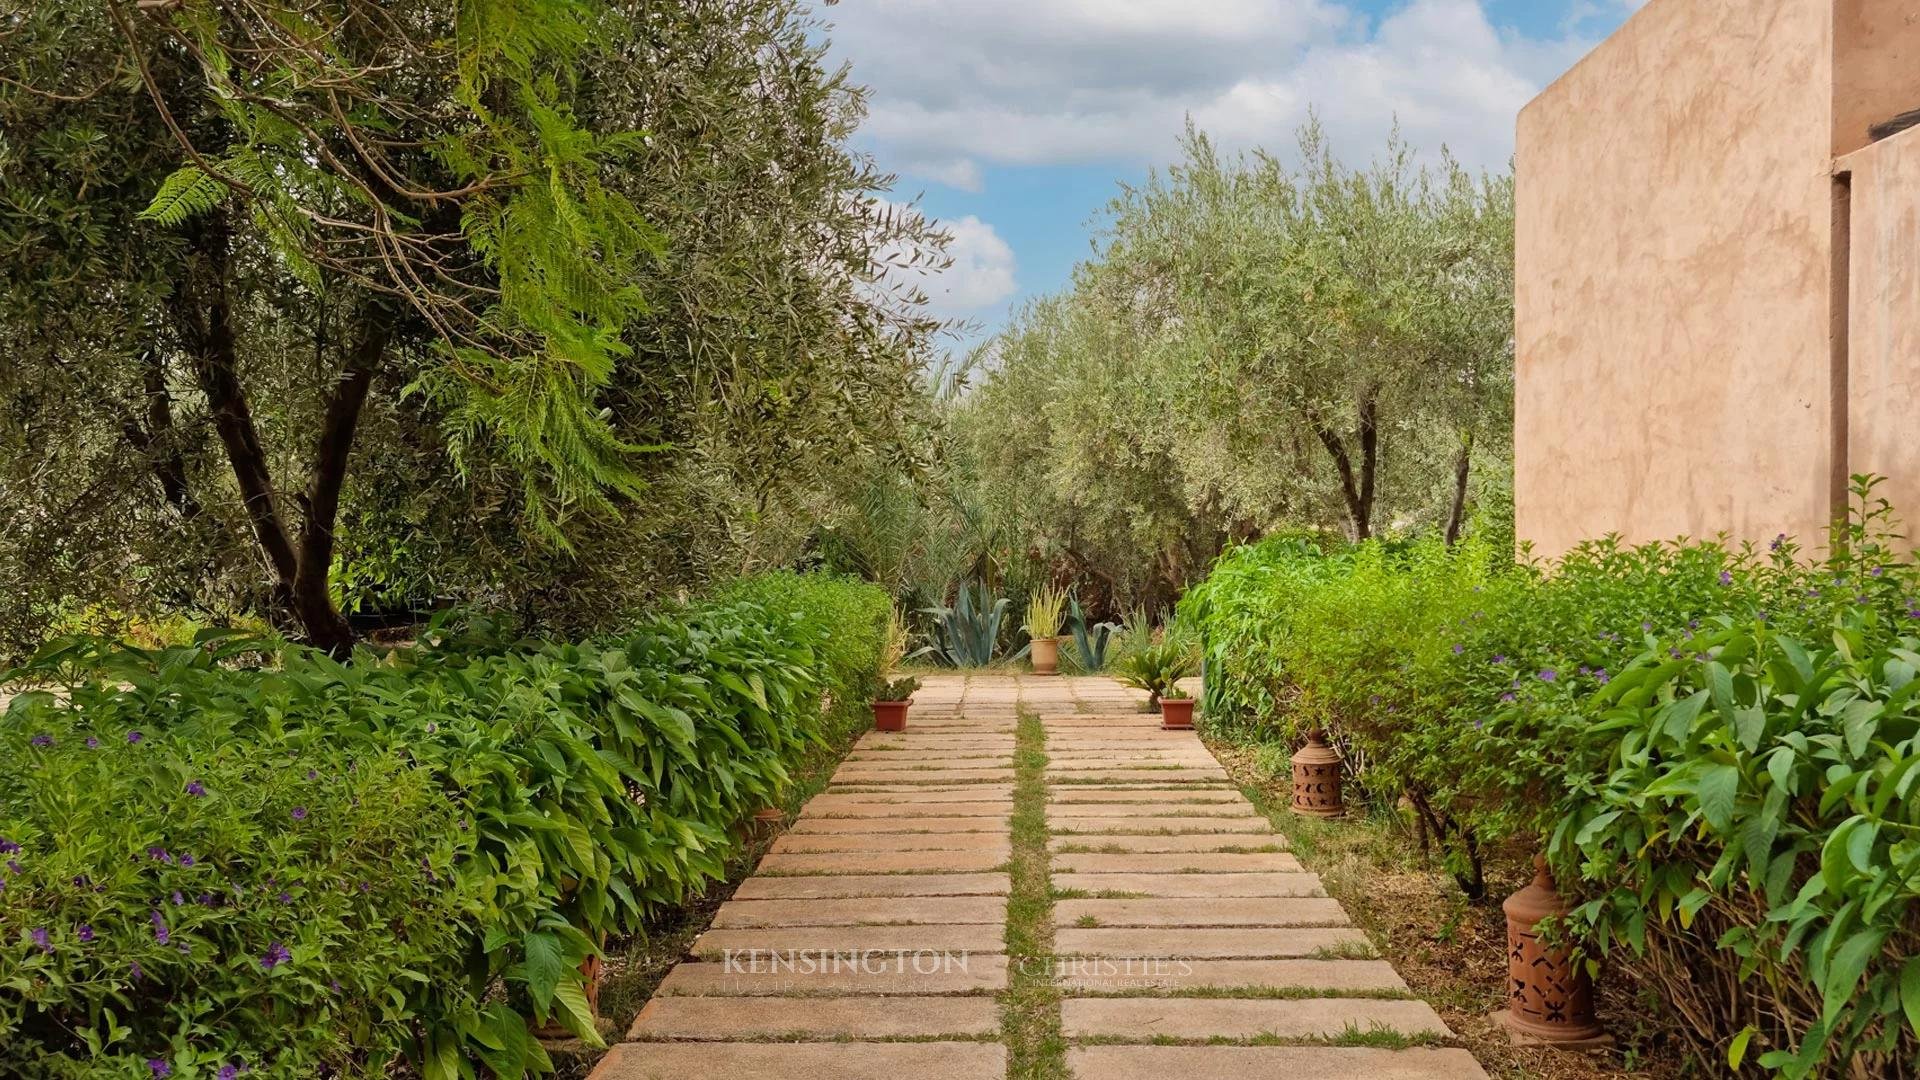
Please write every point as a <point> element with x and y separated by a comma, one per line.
<point>1713,744</point>
<point>561,793</point>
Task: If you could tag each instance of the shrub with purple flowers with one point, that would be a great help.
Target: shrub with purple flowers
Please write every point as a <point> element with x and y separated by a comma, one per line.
<point>404,855</point>
<point>1717,745</point>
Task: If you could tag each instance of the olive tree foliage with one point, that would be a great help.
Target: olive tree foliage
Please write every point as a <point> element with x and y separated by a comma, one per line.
<point>1260,344</point>
<point>591,296</point>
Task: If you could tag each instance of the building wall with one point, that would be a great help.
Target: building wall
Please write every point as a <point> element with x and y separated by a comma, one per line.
<point>1883,353</point>
<point>1674,225</point>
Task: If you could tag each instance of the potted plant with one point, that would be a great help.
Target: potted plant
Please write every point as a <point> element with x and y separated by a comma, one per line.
<point>1176,710</point>
<point>1157,668</point>
<point>1045,612</point>
<point>890,703</point>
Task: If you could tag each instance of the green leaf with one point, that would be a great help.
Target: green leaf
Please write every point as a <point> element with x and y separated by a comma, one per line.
<point>1845,969</point>
<point>185,192</point>
<point>1737,1051</point>
<point>1719,785</point>
<point>545,966</point>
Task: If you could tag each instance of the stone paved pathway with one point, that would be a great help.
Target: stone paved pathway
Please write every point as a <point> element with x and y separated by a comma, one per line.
<point>1189,943</point>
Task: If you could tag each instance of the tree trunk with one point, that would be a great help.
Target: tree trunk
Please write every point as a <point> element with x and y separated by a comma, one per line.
<point>300,573</point>
<point>1357,490</point>
<point>320,504</point>
<point>1456,514</point>
<point>157,440</point>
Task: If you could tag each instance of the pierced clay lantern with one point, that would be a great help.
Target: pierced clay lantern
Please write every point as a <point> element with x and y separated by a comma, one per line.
<point>1549,996</point>
<point>1316,779</point>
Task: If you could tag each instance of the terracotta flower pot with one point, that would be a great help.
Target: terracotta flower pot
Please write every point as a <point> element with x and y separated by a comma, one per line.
<point>1316,779</point>
<point>1045,656</point>
<point>890,715</point>
<point>1549,996</point>
<point>1176,714</point>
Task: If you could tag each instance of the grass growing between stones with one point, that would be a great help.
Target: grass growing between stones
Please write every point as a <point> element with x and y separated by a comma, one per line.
<point>1030,1010</point>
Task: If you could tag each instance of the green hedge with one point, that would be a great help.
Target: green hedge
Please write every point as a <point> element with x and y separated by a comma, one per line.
<point>1718,748</point>
<point>304,867</point>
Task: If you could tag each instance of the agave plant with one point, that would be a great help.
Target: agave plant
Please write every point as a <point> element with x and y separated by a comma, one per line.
<point>969,631</point>
<point>1089,641</point>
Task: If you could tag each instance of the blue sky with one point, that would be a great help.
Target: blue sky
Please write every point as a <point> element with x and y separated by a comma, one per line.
<point>1013,121</point>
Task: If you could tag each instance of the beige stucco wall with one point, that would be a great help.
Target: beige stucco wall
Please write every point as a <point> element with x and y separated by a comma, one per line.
<point>1883,353</point>
<point>1672,265</point>
<point>1876,66</point>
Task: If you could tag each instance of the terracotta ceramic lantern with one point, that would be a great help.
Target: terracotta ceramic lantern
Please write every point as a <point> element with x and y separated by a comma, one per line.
<point>1549,995</point>
<point>1316,779</point>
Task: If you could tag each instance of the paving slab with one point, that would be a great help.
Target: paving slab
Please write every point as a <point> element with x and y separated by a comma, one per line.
<point>984,938</point>
<point>1132,762</point>
<point>1208,943</point>
<point>854,774</point>
<point>1244,1018</point>
<point>685,1018</point>
<point>1199,863</point>
<point>1280,884</point>
<point>1115,843</point>
<point>1135,776</point>
<point>1173,974</point>
<point>1205,911</point>
<point>927,793</point>
<point>1269,1063</point>
<point>1079,795</point>
<point>784,1061</point>
<point>889,862</point>
<point>880,805</point>
<point>815,843</point>
<point>831,886</point>
<point>1062,806</point>
<point>1178,823</point>
<point>862,911</point>
<point>872,973</point>
<point>818,826</point>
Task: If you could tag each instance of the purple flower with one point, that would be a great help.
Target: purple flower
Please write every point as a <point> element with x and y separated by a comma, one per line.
<point>159,854</point>
<point>313,774</point>
<point>1778,542</point>
<point>277,954</point>
<point>205,899</point>
<point>84,933</point>
<point>186,860</point>
<point>133,969</point>
<point>8,847</point>
<point>1726,577</point>
<point>159,1067</point>
<point>299,813</point>
<point>196,788</point>
<point>93,743</point>
<point>159,927</point>
<point>227,1072</point>
<point>1499,658</point>
<point>335,984</point>
<point>134,738</point>
<point>178,900</point>
<point>42,739</point>
<point>1508,696</point>
<point>1458,648</point>
<point>1878,571</point>
<point>431,728</point>
<point>1548,674</point>
<point>1646,626</point>
<point>1601,674</point>
<point>285,897</point>
<point>14,867</point>
<point>39,937</point>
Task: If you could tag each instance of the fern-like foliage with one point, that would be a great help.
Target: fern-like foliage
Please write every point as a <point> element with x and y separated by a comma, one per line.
<point>188,191</point>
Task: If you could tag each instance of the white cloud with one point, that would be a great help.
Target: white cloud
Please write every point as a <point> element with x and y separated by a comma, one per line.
<point>1025,82</point>
<point>980,278</point>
